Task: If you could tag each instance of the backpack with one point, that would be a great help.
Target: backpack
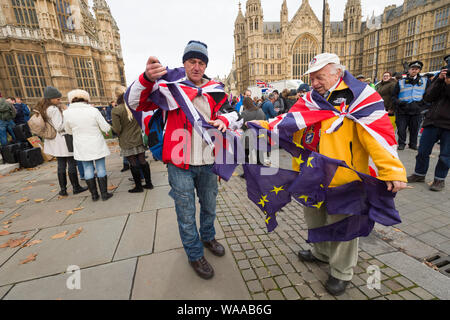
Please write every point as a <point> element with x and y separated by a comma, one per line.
<point>40,127</point>
<point>156,134</point>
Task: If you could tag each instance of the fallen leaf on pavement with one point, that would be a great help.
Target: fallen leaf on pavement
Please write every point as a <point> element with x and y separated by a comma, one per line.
<point>32,243</point>
<point>62,197</point>
<point>112,187</point>
<point>75,234</point>
<point>15,215</point>
<point>17,242</point>
<point>32,181</point>
<point>2,212</point>
<point>52,184</point>
<point>7,226</point>
<point>69,212</point>
<point>4,233</point>
<point>25,232</point>
<point>60,235</point>
<point>59,211</point>
<point>22,200</point>
<point>398,230</point>
<point>7,222</point>
<point>30,258</point>
<point>27,188</point>
<point>54,190</point>
<point>38,200</point>
<point>78,209</point>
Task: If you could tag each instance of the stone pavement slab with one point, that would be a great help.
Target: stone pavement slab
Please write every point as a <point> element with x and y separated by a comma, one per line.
<point>158,198</point>
<point>6,253</point>
<point>167,236</point>
<point>430,280</point>
<point>4,290</point>
<point>138,236</point>
<point>115,206</point>
<point>112,281</point>
<point>167,275</point>
<point>41,215</point>
<point>374,246</point>
<point>95,245</point>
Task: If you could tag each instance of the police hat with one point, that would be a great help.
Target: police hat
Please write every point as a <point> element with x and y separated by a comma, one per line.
<point>417,64</point>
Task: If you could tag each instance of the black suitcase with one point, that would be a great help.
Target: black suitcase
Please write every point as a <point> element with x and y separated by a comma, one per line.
<point>30,158</point>
<point>22,132</point>
<point>10,153</point>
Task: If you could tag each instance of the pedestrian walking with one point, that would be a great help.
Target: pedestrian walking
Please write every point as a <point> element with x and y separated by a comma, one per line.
<point>50,109</point>
<point>130,142</point>
<point>86,124</point>
<point>7,114</point>
<point>407,98</point>
<point>190,160</point>
<point>436,127</point>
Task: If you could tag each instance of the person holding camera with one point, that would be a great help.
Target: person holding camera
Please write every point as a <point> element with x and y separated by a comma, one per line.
<point>436,127</point>
<point>407,98</point>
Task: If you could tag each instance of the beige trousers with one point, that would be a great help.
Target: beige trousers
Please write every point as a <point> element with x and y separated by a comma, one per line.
<point>342,256</point>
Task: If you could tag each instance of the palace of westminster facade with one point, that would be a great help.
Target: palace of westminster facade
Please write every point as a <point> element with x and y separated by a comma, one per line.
<point>59,43</point>
<point>272,51</point>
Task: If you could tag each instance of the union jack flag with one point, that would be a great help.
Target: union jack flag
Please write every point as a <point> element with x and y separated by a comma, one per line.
<point>367,109</point>
<point>261,84</point>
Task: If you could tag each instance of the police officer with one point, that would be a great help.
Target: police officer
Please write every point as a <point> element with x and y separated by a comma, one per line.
<point>408,99</point>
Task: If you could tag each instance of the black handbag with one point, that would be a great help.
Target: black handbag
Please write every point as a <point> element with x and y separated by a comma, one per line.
<point>69,142</point>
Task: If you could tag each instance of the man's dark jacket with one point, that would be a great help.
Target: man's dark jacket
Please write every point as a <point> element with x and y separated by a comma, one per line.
<point>438,94</point>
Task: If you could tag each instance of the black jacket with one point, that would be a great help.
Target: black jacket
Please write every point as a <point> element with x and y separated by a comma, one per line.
<point>438,94</point>
<point>413,108</point>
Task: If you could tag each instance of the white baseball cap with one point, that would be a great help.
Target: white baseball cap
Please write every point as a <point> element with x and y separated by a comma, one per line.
<point>321,60</point>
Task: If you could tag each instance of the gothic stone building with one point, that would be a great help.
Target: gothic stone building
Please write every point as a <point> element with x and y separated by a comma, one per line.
<point>59,43</point>
<point>271,51</point>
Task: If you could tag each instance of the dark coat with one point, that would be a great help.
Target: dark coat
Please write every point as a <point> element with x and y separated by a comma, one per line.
<point>129,132</point>
<point>385,89</point>
<point>438,94</point>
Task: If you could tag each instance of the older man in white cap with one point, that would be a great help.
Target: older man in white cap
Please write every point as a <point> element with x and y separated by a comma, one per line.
<point>340,135</point>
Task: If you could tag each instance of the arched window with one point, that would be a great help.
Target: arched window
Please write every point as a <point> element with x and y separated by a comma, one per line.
<point>256,24</point>
<point>304,50</point>
<point>64,16</point>
<point>250,24</point>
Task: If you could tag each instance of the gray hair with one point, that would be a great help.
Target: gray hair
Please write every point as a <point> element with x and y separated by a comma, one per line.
<point>337,67</point>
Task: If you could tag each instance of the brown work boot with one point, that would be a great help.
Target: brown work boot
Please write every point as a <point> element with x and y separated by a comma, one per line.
<point>202,268</point>
<point>416,178</point>
<point>215,247</point>
<point>438,185</point>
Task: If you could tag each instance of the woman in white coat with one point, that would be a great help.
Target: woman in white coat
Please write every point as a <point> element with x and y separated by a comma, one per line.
<point>86,124</point>
<point>49,108</point>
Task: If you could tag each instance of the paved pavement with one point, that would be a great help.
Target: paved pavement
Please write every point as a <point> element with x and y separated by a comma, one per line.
<point>129,248</point>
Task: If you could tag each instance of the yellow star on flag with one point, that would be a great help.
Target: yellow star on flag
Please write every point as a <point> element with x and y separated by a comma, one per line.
<point>304,197</point>
<point>276,190</point>
<point>299,160</point>
<point>263,201</point>
<point>318,205</point>
<point>261,136</point>
<point>299,145</point>
<point>268,219</point>
<point>309,162</point>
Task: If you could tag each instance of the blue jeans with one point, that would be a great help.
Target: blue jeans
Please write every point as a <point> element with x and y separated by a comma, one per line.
<point>80,169</point>
<point>430,136</point>
<point>6,126</point>
<point>89,168</point>
<point>184,183</point>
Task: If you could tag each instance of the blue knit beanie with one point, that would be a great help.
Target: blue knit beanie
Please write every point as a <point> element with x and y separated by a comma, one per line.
<point>196,49</point>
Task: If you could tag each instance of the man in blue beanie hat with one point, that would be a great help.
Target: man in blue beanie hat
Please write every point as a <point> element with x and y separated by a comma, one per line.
<point>189,159</point>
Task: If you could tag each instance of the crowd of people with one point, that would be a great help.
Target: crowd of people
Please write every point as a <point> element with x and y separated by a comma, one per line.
<point>13,112</point>
<point>411,102</point>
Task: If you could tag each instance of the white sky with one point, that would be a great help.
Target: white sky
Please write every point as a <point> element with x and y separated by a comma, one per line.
<point>163,27</point>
